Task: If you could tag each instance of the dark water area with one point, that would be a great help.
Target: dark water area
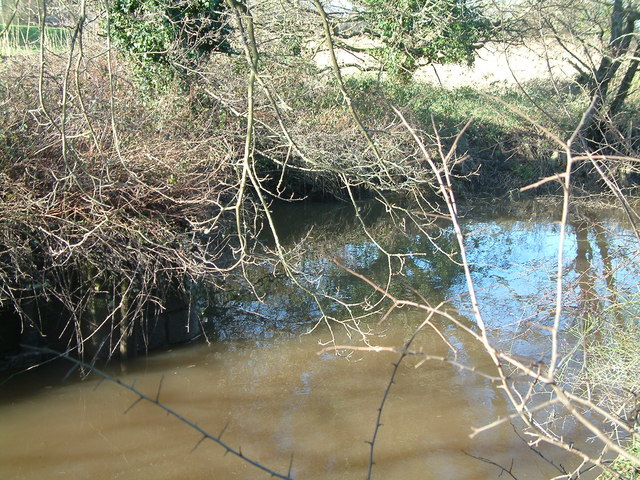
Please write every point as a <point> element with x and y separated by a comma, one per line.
<point>267,380</point>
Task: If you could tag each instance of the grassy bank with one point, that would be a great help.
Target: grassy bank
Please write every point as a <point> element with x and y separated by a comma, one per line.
<point>506,148</point>
<point>605,371</point>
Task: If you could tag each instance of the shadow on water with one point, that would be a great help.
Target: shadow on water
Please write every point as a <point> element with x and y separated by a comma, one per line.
<point>266,377</point>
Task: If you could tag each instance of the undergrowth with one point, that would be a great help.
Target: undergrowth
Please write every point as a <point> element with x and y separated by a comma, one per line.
<point>506,150</point>
<point>609,374</point>
<point>623,467</point>
<point>25,39</point>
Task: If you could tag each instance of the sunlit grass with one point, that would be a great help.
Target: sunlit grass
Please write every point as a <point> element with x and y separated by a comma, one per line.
<point>25,39</point>
<point>623,467</point>
<point>536,101</point>
<point>611,345</point>
<point>610,341</point>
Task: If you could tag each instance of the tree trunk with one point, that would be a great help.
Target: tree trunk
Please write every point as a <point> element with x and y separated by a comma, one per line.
<point>622,33</point>
<point>625,84</point>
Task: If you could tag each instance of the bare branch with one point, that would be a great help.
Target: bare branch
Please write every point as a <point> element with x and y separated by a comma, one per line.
<point>143,397</point>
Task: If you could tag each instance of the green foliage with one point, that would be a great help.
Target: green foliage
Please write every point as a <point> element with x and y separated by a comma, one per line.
<point>432,31</point>
<point>163,36</point>
<point>624,467</point>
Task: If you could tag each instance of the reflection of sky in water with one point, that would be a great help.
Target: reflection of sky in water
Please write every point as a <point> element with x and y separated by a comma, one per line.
<point>513,268</point>
<point>513,263</point>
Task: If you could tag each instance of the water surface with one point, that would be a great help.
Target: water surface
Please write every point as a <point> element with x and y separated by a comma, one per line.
<point>267,383</point>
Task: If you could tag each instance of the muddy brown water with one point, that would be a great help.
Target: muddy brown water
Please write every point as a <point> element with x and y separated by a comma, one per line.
<point>279,400</point>
<point>288,404</point>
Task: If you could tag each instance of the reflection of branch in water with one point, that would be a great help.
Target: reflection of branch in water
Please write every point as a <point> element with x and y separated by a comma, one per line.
<point>407,353</point>
<point>156,401</point>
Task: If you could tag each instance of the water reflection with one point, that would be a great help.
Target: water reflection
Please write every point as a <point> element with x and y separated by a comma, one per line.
<point>279,396</point>
<point>277,399</point>
<point>513,263</point>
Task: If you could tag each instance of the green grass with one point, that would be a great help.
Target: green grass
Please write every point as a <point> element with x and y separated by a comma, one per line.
<point>503,134</point>
<point>611,372</point>
<point>25,39</point>
<point>452,107</point>
<point>624,467</point>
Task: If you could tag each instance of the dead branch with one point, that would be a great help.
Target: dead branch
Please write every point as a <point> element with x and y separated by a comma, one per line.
<point>142,397</point>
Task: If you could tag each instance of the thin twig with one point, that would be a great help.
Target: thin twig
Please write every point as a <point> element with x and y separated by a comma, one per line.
<point>154,401</point>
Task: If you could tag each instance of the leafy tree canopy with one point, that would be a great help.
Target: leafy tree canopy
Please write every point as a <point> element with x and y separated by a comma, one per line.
<point>428,31</point>
<point>160,36</point>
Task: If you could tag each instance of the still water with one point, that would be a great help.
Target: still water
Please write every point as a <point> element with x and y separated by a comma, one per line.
<point>266,381</point>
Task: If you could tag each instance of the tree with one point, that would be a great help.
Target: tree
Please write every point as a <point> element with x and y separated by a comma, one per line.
<point>163,36</point>
<point>619,48</point>
<point>600,38</point>
<point>419,31</point>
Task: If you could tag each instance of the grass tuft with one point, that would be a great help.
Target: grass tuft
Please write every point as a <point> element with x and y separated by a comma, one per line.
<point>25,39</point>
<point>623,467</point>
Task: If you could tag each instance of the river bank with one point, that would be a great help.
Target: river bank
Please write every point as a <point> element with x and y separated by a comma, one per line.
<point>121,226</point>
